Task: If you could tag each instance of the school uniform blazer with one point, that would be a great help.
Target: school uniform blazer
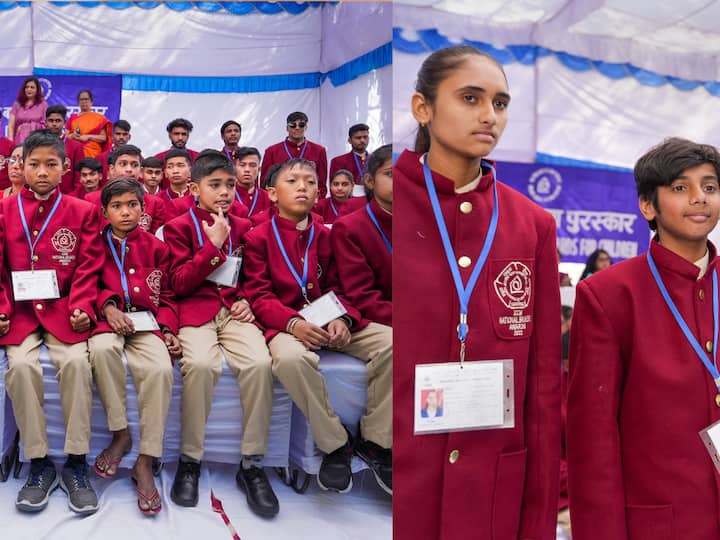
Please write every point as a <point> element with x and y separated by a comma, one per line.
<point>244,197</point>
<point>364,262</point>
<point>314,152</point>
<point>200,300</point>
<point>265,215</point>
<point>75,151</point>
<point>6,148</point>
<point>638,397</point>
<point>180,205</point>
<point>503,484</point>
<point>325,209</point>
<point>151,219</point>
<point>347,162</point>
<point>70,245</point>
<point>271,288</point>
<point>147,269</point>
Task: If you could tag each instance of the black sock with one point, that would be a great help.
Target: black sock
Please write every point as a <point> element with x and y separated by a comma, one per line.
<point>75,459</point>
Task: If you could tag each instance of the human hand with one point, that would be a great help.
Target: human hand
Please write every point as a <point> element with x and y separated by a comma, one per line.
<point>339,334</point>
<point>240,311</point>
<point>80,321</point>
<point>118,321</point>
<point>219,230</point>
<point>173,344</point>
<point>311,335</point>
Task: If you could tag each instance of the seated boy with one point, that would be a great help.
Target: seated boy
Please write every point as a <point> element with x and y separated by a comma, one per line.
<point>176,169</point>
<point>341,201</point>
<point>152,174</point>
<point>90,170</point>
<point>139,315</point>
<point>643,375</point>
<point>362,244</point>
<point>55,237</point>
<point>206,244</point>
<point>289,264</point>
<point>247,163</point>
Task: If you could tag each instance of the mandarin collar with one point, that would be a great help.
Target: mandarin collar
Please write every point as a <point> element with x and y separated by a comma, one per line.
<point>27,193</point>
<point>409,163</point>
<point>672,262</point>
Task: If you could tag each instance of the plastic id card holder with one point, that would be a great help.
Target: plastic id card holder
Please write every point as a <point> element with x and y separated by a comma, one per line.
<point>325,309</point>
<point>711,438</point>
<point>35,285</point>
<point>228,273</point>
<point>476,395</point>
<point>143,321</point>
<point>358,190</point>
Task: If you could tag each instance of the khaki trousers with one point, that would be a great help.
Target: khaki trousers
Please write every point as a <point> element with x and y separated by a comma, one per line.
<point>298,370</point>
<point>24,381</point>
<point>152,372</point>
<point>243,346</point>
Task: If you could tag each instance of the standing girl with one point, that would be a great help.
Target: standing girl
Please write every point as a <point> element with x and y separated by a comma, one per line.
<point>476,314</point>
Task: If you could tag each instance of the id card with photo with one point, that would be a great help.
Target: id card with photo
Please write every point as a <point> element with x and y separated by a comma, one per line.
<point>711,439</point>
<point>472,396</point>
<point>144,321</point>
<point>35,285</point>
<point>228,273</point>
<point>323,310</point>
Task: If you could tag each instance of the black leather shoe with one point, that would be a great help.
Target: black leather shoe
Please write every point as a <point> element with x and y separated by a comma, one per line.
<point>184,490</point>
<point>260,495</point>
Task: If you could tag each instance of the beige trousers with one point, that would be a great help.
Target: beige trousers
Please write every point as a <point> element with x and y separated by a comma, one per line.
<point>243,346</point>
<point>24,381</point>
<point>152,372</point>
<point>298,370</point>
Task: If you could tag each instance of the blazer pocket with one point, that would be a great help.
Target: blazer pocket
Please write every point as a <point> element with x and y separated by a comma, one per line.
<point>650,522</point>
<point>509,490</point>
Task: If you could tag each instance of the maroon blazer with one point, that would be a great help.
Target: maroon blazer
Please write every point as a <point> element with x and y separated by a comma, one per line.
<point>265,215</point>
<point>75,151</point>
<point>271,288</point>
<point>181,205</point>
<point>638,397</point>
<point>246,199</point>
<point>164,182</point>
<point>364,262</point>
<point>70,245</point>
<point>200,300</point>
<point>152,218</point>
<point>147,269</point>
<point>6,148</point>
<point>328,206</point>
<point>347,162</point>
<point>504,484</point>
<point>313,152</point>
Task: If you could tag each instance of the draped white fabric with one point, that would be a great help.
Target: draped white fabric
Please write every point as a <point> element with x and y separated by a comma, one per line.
<point>15,42</point>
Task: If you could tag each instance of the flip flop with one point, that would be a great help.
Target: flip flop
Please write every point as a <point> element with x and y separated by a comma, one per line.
<point>105,466</point>
<point>149,506</point>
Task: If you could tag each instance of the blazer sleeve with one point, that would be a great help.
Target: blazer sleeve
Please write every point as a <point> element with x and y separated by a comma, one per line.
<point>84,287</point>
<point>168,309</point>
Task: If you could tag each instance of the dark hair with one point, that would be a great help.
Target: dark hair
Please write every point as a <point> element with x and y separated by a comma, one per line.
<point>289,164</point>
<point>119,186</point>
<point>181,123</point>
<point>177,152</point>
<point>229,123</point>
<point>43,138</point>
<point>153,162</point>
<point>89,93</point>
<point>344,172</point>
<point>245,151</point>
<point>122,124</point>
<point>591,263</point>
<point>89,163</point>
<point>56,109</point>
<point>297,115</point>
<point>434,70</point>
<point>566,312</point>
<point>356,128</point>
<point>39,97</point>
<point>665,162</point>
<point>378,157</point>
<point>271,175</point>
<point>124,150</point>
<point>209,161</point>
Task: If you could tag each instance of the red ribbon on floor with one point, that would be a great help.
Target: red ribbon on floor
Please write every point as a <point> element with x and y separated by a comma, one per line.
<point>218,507</point>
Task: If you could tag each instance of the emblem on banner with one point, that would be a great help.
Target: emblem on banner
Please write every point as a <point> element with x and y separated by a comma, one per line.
<point>545,185</point>
<point>514,286</point>
<point>153,282</point>
<point>64,242</point>
<point>46,86</point>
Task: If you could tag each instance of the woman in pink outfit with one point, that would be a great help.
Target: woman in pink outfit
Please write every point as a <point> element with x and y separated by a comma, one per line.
<point>28,111</point>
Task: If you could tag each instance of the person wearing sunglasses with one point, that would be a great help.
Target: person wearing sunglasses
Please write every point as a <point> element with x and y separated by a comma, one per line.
<point>297,146</point>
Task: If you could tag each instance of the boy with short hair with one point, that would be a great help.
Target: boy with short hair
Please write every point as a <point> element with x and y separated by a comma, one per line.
<point>138,315</point>
<point>247,163</point>
<point>176,169</point>
<point>206,244</point>
<point>289,264</point>
<point>230,132</point>
<point>341,201</point>
<point>51,261</point>
<point>178,131</point>
<point>643,375</point>
<point>90,170</point>
<point>152,174</point>
<point>356,159</point>
<point>55,117</point>
<point>120,137</point>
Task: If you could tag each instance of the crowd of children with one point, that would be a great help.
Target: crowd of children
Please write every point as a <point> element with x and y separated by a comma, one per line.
<point>236,271</point>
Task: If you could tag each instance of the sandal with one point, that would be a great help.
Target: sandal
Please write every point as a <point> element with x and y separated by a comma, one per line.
<point>105,466</point>
<point>149,506</point>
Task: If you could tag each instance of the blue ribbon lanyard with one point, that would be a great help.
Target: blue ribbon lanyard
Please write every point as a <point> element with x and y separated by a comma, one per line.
<point>287,150</point>
<point>711,367</point>
<point>228,154</point>
<point>120,263</point>
<point>199,234</point>
<point>332,207</point>
<point>30,242</point>
<point>167,192</point>
<point>252,205</point>
<point>361,171</point>
<point>302,282</point>
<point>377,226</point>
<point>464,293</point>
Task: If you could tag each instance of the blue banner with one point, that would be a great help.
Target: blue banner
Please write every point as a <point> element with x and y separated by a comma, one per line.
<point>593,209</point>
<point>63,90</point>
